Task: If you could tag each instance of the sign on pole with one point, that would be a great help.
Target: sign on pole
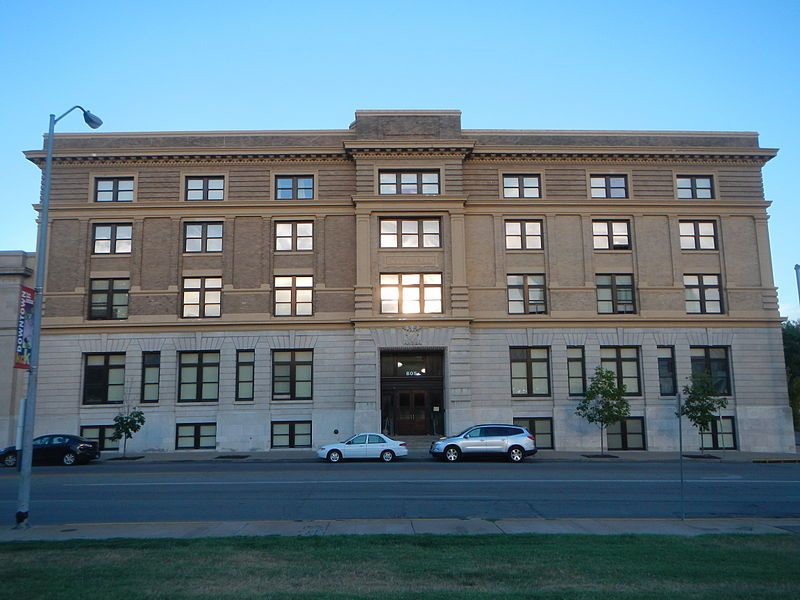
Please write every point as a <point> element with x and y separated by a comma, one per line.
<point>24,328</point>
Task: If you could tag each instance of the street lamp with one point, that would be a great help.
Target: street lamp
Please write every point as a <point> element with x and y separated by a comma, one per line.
<point>29,407</point>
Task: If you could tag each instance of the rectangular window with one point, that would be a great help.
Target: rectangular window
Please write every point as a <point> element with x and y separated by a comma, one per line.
<point>112,238</point>
<point>291,434</point>
<point>103,378</point>
<point>202,237</point>
<point>611,235</point>
<point>292,372</point>
<point>410,233</point>
<point>294,187</point>
<point>609,186</point>
<point>541,428</point>
<point>295,236</point>
<point>113,189</point>
<point>409,182</point>
<point>205,188</point>
<point>695,186</point>
<point>102,435</point>
<point>202,297</point>
<point>151,374</point>
<point>713,361</point>
<point>521,186</point>
<point>667,379</point>
<point>196,436</point>
<point>623,361</point>
<point>698,235</point>
<point>245,374</point>
<point>294,295</point>
<point>523,235</point>
<point>526,294</point>
<point>576,370</point>
<point>703,294</point>
<point>627,434</point>
<point>721,435</point>
<point>615,294</point>
<point>109,299</point>
<point>530,371</point>
<point>198,379</point>
<point>411,293</point>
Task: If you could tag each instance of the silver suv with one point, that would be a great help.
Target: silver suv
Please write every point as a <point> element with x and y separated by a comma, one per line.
<point>509,440</point>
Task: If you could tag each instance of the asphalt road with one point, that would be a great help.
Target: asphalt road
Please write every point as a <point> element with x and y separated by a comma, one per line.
<point>200,491</point>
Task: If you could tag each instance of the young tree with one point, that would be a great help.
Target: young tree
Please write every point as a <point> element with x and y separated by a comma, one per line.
<point>126,424</point>
<point>604,403</point>
<point>701,403</point>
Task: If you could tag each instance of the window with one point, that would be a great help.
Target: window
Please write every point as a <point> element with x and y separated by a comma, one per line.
<point>205,188</point>
<point>294,236</point>
<point>294,187</point>
<point>611,235</point>
<point>695,186</point>
<point>721,435</point>
<point>103,378</point>
<point>623,361</point>
<point>202,297</point>
<point>101,434</point>
<point>291,434</point>
<point>411,293</point>
<point>521,186</point>
<point>576,370</point>
<point>523,235</point>
<point>609,186</point>
<point>113,189</point>
<point>702,294</point>
<point>293,295</point>
<point>541,428</point>
<point>698,235</point>
<point>615,294</point>
<point>198,379</point>
<point>530,371</point>
<point>151,373</point>
<point>202,237</point>
<point>109,298</point>
<point>245,374</point>
<point>712,361</point>
<point>196,436</point>
<point>112,238</point>
<point>409,182</point>
<point>292,372</point>
<point>667,380</point>
<point>410,233</point>
<point>627,434</point>
<point>526,294</point>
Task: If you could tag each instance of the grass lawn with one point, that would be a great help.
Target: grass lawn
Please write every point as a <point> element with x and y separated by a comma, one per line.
<point>441,567</point>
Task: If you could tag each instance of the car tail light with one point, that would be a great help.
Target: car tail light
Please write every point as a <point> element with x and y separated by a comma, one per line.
<point>84,446</point>
<point>403,444</point>
<point>531,438</point>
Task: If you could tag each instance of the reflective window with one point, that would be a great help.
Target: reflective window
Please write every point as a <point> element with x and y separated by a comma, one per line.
<point>523,235</point>
<point>713,362</point>
<point>721,435</point>
<point>611,235</point>
<point>196,436</point>
<point>530,371</point>
<point>198,377</point>
<point>245,374</point>
<point>576,370</point>
<point>292,372</point>
<point>101,434</point>
<point>615,294</point>
<point>202,297</point>
<point>609,186</point>
<point>411,293</point>
<point>113,189</point>
<point>408,182</point>
<point>151,374</point>
<point>627,434</point>
<point>205,188</point>
<point>294,236</point>
<point>521,186</point>
<point>109,299</point>
<point>667,380</point>
<point>294,187</point>
<point>526,294</point>
<point>103,378</point>
<point>291,434</point>
<point>112,238</point>
<point>623,361</point>
<point>541,428</point>
<point>294,295</point>
<point>695,186</point>
<point>202,237</point>
<point>698,235</point>
<point>703,294</point>
<point>410,233</point>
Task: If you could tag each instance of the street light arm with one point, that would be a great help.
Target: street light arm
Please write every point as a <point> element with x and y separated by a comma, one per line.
<point>69,111</point>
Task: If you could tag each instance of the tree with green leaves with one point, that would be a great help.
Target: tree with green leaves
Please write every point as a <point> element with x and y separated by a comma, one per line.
<point>126,423</point>
<point>604,403</point>
<point>791,355</point>
<point>701,403</point>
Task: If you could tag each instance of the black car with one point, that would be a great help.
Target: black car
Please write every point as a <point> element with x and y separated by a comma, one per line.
<point>63,449</point>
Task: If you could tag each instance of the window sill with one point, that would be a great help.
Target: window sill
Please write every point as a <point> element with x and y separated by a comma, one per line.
<point>196,402</point>
<point>104,405</point>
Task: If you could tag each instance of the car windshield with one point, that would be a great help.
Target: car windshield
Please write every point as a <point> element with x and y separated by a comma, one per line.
<point>465,431</point>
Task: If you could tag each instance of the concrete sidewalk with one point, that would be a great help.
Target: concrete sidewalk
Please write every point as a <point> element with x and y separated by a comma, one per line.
<point>189,530</point>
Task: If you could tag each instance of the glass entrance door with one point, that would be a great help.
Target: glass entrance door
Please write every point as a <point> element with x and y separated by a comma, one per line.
<point>412,412</point>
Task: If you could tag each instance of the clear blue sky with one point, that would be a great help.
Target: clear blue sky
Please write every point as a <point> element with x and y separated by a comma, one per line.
<point>169,65</point>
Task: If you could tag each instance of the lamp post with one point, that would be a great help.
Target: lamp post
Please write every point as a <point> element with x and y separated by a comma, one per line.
<point>797,275</point>
<point>29,408</point>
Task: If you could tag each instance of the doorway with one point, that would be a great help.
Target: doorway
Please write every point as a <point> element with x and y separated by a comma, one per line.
<point>412,393</point>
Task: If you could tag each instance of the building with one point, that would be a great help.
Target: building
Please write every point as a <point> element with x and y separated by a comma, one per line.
<point>263,289</point>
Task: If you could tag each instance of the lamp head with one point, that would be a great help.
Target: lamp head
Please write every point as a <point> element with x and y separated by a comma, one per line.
<point>92,121</point>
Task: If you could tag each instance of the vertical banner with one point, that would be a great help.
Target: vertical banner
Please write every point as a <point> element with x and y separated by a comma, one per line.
<point>24,328</point>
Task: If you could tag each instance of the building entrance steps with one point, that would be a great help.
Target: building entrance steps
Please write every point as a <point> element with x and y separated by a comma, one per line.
<point>417,442</point>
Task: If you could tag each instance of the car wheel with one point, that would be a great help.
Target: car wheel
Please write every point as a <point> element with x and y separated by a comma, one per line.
<point>452,454</point>
<point>516,454</point>
<point>10,460</point>
<point>334,456</point>
<point>387,456</point>
<point>69,459</point>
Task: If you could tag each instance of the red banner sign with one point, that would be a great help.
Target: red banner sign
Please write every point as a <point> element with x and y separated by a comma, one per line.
<point>24,328</point>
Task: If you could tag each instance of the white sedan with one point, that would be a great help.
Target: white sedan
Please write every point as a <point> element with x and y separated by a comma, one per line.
<point>364,445</point>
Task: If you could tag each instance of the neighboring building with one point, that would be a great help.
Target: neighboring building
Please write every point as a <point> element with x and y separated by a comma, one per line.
<point>16,270</point>
<point>253,290</point>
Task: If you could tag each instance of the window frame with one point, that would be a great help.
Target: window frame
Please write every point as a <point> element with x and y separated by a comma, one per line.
<point>113,240</point>
<point>204,237</point>
<point>520,186</point>
<point>195,435</point>
<point>206,189</point>
<point>293,302</point>
<point>615,288</point>
<point>624,435</point>
<point>419,235</point>
<point>200,381</point>
<point>107,368</point>
<point>144,384</point>
<point>526,288</point>
<point>618,369</point>
<point>240,362</point>
<point>702,291</point>
<point>292,434</point>
<point>115,191</point>
<point>609,235</point>
<point>707,361</point>
<point>529,362</point>
<point>693,186</point>
<point>102,438</point>
<point>531,421</point>
<point>582,362</point>
<point>294,237</point>
<point>696,236</point>
<point>607,187</point>
<point>421,286</point>
<point>523,234</point>
<point>673,376</point>
<point>293,364</point>
<point>714,433</point>
<point>109,306</point>
<point>203,290</point>
<point>295,187</point>
<point>398,183</point>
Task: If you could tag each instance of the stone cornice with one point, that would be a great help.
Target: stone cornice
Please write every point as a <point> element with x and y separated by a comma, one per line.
<point>755,156</point>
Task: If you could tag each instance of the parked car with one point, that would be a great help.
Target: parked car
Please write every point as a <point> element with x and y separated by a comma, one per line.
<point>364,445</point>
<point>499,440</point>
<point>63,449</point>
